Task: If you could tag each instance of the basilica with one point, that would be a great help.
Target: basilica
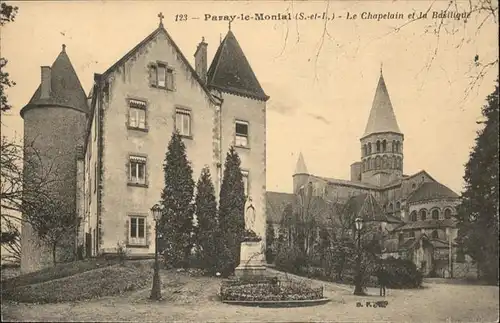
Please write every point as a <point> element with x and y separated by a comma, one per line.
<point>415,211</point>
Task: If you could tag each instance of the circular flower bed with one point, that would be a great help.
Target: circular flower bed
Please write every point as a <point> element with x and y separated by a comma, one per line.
<point>269,290</point>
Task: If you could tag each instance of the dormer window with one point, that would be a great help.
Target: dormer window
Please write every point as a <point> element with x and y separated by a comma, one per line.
<point>161,76</point>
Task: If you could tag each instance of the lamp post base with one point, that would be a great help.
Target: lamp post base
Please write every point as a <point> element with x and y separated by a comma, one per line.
<point>156,289</point>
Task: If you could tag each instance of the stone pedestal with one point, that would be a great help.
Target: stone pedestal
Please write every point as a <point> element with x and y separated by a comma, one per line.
<point>252,260</point>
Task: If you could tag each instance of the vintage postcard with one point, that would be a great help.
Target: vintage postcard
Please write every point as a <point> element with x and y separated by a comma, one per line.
<point>257,161</point>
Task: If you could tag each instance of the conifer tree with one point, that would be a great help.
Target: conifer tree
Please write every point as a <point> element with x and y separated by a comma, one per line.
<point>478,212</point>
<point>231,212</point>
<point>177,200</point>
<point>270,243</point>
<point>206,214</point>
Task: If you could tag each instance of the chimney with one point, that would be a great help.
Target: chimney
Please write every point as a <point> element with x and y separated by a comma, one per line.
<point>46,83</point>
<point>200,59</point>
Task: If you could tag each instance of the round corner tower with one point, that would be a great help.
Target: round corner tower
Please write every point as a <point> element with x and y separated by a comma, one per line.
<point>300,177</point>
<point>54,126</point>
<point>382,141</point>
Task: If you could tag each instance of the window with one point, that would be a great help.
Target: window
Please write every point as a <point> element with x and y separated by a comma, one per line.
<point>137,114</point>
<point>183,122</point>
<point>378,145</point>
<point>369,148</point>
<point>384,145</point>
<point>365,150</point>
<point>413,216</point>
<point>423,215</point>
<point>241,139</point>
<point>161,76</point>
<point>246,188</point>
<point>435,214</point>
<point>137,170</point>
<point>447,214</point>
<point>398,206</point>
<point>137,231</point>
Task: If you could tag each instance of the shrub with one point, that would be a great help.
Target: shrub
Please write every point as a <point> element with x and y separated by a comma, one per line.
<point>290,259</point>
<point>402,273</point>
<point>121,253</point>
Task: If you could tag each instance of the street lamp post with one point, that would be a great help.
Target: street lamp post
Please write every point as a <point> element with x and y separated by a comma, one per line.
<point>358,290</point>
<point>156,289</point>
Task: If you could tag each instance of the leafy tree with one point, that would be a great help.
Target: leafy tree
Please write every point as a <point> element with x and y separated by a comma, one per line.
<point>231,212</point>
<point>206,214</point>
<point>54,222</point>
<point>478,211</point>
<point>176,225</point>
<point>7,14</point>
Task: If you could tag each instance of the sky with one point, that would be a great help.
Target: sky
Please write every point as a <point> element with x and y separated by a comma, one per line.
<point>321,75</point>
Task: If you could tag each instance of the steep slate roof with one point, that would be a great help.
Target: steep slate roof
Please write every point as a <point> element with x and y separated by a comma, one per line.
<point>366,207</point>
<point>431,191</point>
<point>301,168</point>
<point>382,117</point>
<point>231,72</point>
<point>275,205</point>
<point>66,89</point>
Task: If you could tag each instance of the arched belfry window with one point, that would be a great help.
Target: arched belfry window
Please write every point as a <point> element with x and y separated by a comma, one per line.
<point>435,214</point>
<point>369,148</point>
<point>365,150</point>
<point>377,162</point>
<point>447,214</point>
<point>384,145</point>
<point>423,215</point>
<point>397,146</point>
<point>385,163</point>
<point>378,146</point>
<point>413,216</point>
<point>393,146</point>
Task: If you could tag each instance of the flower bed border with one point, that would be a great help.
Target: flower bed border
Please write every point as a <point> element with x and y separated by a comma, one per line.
<point>278,304</point>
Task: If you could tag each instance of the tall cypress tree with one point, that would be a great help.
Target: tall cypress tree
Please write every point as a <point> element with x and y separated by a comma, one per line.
<point>478,212</point>
<point>231,212</point>
<point>177,198</point>
<point>206,214</point>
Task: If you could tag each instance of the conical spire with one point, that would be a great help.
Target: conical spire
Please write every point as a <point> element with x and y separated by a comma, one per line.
<point>66,89</point>
<point>230,71</point>
<point>301,165</point>
<point>382,118</point>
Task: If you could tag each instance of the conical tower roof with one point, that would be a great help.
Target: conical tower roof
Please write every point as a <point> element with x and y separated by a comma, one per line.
<point>231,72</point>
<point>382,117</point>
<point>301,168</point>
<point>66,89</point>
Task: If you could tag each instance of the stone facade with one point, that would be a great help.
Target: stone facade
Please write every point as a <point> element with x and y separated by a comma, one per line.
<point>116,200</point>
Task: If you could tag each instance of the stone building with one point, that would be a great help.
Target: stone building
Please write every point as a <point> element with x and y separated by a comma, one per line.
<point>133,108</point>
<point>415,212</point>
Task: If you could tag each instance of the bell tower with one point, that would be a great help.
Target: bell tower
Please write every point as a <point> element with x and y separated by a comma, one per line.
<point>382,141</point>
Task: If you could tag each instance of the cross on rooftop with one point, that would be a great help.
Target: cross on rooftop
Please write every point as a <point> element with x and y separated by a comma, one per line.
<point>161,16</point>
